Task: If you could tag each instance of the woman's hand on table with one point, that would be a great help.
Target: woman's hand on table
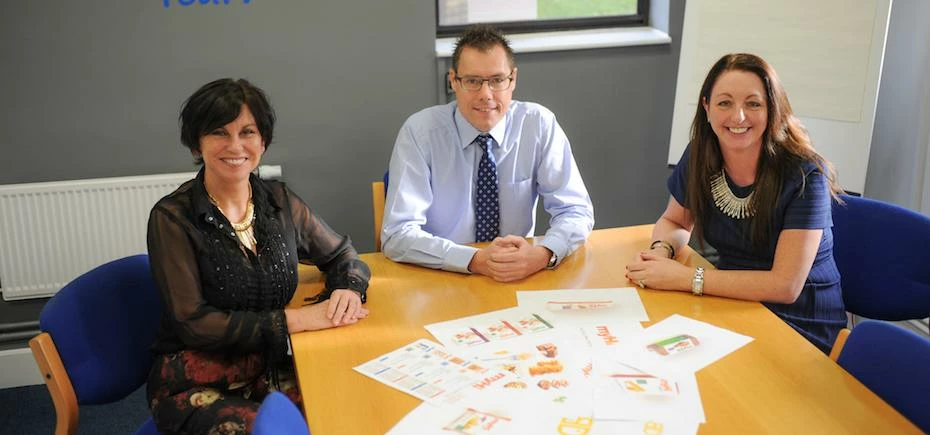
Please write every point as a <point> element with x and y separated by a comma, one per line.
<point>653,269</point>
<point>344,307</point>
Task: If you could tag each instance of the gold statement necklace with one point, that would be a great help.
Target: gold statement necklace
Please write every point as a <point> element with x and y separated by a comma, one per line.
<point>244,229</point>
<point>727,202</point>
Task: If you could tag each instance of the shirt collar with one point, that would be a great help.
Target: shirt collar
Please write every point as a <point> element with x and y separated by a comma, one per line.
<point>468,133</point>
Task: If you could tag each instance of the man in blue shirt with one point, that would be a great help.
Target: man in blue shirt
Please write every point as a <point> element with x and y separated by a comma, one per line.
<point>445,190</point>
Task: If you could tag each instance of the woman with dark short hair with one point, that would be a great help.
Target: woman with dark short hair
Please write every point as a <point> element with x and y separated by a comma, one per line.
<point>751,184</point>
<point>224,249</point>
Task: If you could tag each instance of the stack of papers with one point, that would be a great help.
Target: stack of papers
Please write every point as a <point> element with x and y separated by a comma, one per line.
<point>561,362</point>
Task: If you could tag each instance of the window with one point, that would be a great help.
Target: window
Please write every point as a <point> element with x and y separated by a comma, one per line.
<point>453,16</point>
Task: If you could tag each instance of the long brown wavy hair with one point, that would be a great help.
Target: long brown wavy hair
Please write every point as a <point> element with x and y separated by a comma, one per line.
<point>785,146</point>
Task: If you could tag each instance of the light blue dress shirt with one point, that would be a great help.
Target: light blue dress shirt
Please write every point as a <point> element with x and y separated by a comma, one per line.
<point>430,212</point>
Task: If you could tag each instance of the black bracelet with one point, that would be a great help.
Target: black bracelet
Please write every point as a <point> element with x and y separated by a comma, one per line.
<point>668,246</point>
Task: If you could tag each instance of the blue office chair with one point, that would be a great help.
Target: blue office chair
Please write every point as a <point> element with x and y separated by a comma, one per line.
<point>892,362</point>
<point>279,416</point>
<point>880,250</point>
<point>94,348</point>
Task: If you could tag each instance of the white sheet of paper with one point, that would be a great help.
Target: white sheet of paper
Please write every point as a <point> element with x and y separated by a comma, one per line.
<point>429,372</point>
<point>583,306</point>
<point>678,344</point>
<point>428,419</point>
<point>550,372</point>
<point>467,333</point>
<point>605,336</point>
<point>614,400</point>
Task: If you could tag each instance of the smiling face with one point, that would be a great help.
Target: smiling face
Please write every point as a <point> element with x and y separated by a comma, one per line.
<point>737,111</point>
<point>231,152</point>
<point>483,108</point>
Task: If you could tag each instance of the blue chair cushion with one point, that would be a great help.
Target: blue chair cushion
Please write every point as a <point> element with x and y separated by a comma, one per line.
<point>147,428</point>
<point>879,250</point>
<point>893,362</point>
<point>279,416</point>
<point>103,323</point>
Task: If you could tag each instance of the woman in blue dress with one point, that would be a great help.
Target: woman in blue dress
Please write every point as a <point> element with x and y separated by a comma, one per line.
<point>751,185</point>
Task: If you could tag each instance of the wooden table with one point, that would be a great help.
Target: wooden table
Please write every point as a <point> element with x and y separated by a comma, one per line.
<point>777,383</point>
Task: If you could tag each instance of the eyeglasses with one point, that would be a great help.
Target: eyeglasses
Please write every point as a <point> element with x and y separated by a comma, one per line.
<point>474,83</point>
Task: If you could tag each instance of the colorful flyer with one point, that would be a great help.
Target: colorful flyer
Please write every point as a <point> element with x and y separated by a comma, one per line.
<point>468,337</point>
<point>550,370</point>
<point>622,392</point>
<point>494,327</point>
<point>429,372</point>
<point>577,307</point>
<point>646,384</point>
<point>473,422</point>
<point>428,419</point>
<point>674,345</point>
<point>602,336</point>
<point>677,344</point>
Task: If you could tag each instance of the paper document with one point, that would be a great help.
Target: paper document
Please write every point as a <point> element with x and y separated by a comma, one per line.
<point>428,419</point>
<point>625,393</point>
<point>678,344</point>
<point>429,372</point>
<point>493,327</point>
<point>583,306</point>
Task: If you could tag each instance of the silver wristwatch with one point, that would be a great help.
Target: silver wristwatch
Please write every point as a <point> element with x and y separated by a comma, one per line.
<point>553,260</point>
<point>697,285</point>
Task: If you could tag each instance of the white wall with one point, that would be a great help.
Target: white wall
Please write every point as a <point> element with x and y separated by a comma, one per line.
<point>899,159</point>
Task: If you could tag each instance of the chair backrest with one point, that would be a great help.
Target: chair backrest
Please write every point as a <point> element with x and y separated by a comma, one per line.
<point>892,362</point>
<point>103,323</point>
<point>377,209</point>
<point>97,330</point>
<point>880,252</point>
<point>279,416</point>
<point>378,193</point>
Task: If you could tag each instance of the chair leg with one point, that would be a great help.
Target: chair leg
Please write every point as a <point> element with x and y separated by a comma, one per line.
<point>58,383</point>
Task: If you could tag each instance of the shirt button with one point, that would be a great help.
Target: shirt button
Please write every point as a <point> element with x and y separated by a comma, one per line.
<point>221,226</point>
<point>209,218</point>
<point>232,233</point>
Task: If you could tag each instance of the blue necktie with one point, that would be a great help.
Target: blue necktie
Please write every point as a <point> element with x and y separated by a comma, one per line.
<point>487,205</point>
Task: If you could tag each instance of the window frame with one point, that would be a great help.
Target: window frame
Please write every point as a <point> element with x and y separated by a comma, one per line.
<point>641,18</point>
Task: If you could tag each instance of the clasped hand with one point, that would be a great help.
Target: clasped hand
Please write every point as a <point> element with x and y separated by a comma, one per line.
<point>509,258</point>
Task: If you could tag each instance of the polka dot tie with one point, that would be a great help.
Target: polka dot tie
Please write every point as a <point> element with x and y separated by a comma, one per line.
<point>487,205</point>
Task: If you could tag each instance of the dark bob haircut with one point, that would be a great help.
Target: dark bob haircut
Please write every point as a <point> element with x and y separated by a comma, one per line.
<point>218,103</point>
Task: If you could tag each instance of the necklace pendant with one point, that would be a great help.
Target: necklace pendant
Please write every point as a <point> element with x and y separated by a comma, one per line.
<point>727,202</point>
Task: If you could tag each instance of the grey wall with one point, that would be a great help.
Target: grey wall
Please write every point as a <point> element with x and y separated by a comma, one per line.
<point>92,89</point>
<point>898,160</point>
<point>615,106</point>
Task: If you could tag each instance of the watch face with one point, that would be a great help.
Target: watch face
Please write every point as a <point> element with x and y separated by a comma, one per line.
<point>552,260</point>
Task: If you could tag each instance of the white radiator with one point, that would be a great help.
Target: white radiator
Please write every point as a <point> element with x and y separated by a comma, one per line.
<point>50,233</point>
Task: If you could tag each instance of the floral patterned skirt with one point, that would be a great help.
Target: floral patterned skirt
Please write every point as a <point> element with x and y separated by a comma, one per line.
<point>197,392</point>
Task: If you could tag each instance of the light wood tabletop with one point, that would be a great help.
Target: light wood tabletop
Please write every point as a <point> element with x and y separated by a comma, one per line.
<point>778,383</point>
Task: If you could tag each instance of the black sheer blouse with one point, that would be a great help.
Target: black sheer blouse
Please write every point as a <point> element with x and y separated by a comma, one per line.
<point>219,295</point>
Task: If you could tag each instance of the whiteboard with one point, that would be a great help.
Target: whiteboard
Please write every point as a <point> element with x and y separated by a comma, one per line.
<point>827,53</point>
